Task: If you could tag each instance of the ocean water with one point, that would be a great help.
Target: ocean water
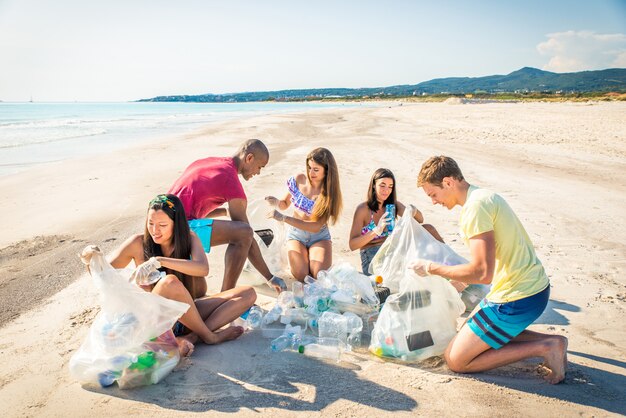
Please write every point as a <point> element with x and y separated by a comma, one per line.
<point>39,133</point>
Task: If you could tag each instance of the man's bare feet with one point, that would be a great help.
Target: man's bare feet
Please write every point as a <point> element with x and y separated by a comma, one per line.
<point>556,359</point>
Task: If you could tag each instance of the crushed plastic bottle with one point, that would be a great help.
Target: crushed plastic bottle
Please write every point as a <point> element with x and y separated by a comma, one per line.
<point>253,317</point>
<point>273,315</point>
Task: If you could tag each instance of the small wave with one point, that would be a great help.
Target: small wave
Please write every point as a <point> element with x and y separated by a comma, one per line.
<point>62,137</point>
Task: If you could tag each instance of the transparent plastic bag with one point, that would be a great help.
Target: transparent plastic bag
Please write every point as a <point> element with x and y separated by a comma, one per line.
<point>419,321</point>
<point>411,241</point>
<point>274,254</point>
<point>130,340</point>
<point>346,279</point>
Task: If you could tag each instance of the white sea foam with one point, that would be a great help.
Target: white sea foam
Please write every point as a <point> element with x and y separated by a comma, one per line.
<point>34,133</point>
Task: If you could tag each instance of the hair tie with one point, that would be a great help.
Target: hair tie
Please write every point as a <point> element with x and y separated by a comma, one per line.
<point>163,199</point>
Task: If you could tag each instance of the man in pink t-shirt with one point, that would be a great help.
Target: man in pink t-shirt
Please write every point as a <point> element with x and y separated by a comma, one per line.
<point>208,184</point>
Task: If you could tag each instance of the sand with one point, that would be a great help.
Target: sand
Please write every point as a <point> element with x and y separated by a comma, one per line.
<point>561,166</point>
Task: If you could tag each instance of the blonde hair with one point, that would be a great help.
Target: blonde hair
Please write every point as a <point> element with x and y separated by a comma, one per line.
<point>329,204</point>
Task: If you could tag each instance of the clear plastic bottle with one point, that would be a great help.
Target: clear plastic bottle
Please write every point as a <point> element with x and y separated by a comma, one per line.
<point>298,293</point>
<point>273,315</point>
<point>255,316</point>
<point>290,339</point>
<point>281,343</point>
<point>320,351</point>
<point>148,273</point>
<point>332,325</point>
<point>286,299</point>
<point>391,210</point>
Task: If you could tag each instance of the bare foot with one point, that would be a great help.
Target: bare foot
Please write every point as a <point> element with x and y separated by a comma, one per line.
<point>556,359</point>
<point>185,347</point>
<point>229,333</point>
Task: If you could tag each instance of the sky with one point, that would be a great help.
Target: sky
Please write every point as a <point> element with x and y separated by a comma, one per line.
<point>120,50</point>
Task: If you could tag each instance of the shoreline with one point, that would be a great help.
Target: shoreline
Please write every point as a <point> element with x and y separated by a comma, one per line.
<point>558,165</point>
<point>36,134</point>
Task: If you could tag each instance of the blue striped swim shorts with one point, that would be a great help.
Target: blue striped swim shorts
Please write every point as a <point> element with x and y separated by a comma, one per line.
<point>498,323</point>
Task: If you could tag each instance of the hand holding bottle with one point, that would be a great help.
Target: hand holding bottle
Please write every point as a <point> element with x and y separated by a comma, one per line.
<point>147,273</point>
<point>382,224</point>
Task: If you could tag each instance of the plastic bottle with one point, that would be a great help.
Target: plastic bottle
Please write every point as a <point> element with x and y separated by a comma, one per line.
<point>254,317</point>
<point>107,378</point>
<point>286,299</point>
<point>391,210</point>
<point>333,325</point>
<point>147,273</point>
<point>354,328</point>
<point>313,325</point>
<point>320,351</point>
<point>273,315</point>
<point>298,293</point>
<point>290,339</point>
<point>281,343</point>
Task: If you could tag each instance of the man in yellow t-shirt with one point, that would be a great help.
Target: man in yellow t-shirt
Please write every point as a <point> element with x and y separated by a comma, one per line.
<point>501,255</point>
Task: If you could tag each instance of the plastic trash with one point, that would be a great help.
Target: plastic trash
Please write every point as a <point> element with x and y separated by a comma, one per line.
<point>274,254</point>
<point>347,279</point>
<point>411,241</point>
<point>298,293</point>
<point>273,315</point>
<point>147,273</point>
<point>332,325</point>
<point>419,321</point>
<point>354,328</point>
<point>130,341</point>
<point>294,316</point>
<point>327,348</point>
<point>289,339</point>
<point>286,299</point>
<point>253,317</point>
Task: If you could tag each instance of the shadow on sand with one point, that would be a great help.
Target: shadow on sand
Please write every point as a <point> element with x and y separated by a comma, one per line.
<point>236,376</point>
<point>583,385</point>
<point>552,315</point>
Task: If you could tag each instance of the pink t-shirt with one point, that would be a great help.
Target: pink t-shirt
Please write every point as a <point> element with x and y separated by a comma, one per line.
<point>206,185</point>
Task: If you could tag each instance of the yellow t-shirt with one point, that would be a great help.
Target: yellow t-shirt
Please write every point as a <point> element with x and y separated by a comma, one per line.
<point>518,272</point>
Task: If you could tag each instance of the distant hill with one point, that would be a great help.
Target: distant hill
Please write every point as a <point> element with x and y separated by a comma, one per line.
<point>525,80</point>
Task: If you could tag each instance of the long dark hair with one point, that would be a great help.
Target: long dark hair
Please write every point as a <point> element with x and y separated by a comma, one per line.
<point>181,240</point>
<point>329,204</point>
<point>372,200</point>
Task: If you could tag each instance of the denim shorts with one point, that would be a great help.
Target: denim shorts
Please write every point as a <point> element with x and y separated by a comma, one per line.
<point>367,255</point>
<point>308,238</point>
<point>498,323</point>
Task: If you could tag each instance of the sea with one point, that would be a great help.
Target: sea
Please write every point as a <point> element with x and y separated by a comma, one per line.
<point>32,134</point>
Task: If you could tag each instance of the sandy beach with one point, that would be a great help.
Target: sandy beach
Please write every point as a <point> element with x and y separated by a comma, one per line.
<point>561,166</point>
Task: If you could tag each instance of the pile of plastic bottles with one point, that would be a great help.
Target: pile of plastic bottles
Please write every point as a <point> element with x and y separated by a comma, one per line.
<point>323,317</point>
